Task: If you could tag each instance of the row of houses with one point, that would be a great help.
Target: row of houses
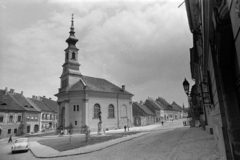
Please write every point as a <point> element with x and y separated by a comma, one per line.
<point>153,111</point>
<point>21,115</point>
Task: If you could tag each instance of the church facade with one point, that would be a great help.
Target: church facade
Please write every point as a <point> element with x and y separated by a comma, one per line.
<point>81,98</point>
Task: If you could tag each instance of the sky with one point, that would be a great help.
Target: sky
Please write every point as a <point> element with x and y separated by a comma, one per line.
<point>142,44</point>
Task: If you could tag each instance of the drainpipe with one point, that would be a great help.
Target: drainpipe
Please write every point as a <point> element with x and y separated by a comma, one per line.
<point>117,111</point>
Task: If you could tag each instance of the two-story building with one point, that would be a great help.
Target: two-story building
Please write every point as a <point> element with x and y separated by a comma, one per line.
<point>17,116</point>
<point>47,116</point>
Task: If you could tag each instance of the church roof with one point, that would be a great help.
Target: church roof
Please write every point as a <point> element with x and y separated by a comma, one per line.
<point>97,84</point>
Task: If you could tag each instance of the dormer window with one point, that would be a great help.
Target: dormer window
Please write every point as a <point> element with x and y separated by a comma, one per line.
<point>73,55</point>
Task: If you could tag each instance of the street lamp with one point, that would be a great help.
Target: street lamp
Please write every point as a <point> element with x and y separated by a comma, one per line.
<point>186,86</point>
<point>186,89</point>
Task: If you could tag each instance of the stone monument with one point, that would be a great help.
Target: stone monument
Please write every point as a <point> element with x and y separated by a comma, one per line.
<point>100,124</point>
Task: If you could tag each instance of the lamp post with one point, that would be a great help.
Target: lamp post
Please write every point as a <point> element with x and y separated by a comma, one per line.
<point>189,95</point>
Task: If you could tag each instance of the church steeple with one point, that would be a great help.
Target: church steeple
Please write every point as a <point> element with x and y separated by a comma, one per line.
<point>71,73</point>
<point>72,40</point>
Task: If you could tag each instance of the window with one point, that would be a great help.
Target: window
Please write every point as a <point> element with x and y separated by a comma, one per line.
<point>123,111</point>
<point>76,108</point>
<point>64,83</point>
<point>19,118</point>
<point>66,56</point>
<point>42,116</point>
<point>15,130</point>
<point>75,122</point>
<point>96,110</point>
<point>10,119</point>
<point>1,119</point>
<point>73,55</point>
<point>110,111</point>
<point>9,131</point>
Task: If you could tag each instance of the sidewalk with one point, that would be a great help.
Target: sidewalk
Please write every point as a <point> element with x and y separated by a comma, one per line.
<point>42,151</point>
<point>195,144</point>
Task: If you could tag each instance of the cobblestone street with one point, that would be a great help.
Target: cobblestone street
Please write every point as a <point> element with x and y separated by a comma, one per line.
<point>169,142</point>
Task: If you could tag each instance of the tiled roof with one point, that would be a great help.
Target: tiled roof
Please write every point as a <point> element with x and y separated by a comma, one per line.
<point>165,104</point>
<point>40,105</point>
<point>23,102</point>
<point>51,104</point>
<point>97,84</point>
<point>177,107</point>
<point>144,108</point>
<point>154,104</point>
<point>8,103</point>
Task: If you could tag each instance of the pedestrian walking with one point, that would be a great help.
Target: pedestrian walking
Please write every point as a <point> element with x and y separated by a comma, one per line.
<point>125,127</point>
<point>10,139</point>
<point>162,123</point>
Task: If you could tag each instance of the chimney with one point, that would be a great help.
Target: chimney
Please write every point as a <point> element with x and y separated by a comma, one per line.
<point>6,90</point>
<point>39,98</point>
<point>12,91</point>
<point>141,102</point>
<point>22,93</point>
<point>33,97</point>
<point>123,88</point>
<point>44,96</point>
<point>50,98</point>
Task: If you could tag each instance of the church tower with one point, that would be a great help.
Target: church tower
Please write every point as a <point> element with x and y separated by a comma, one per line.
<point>71,73</point>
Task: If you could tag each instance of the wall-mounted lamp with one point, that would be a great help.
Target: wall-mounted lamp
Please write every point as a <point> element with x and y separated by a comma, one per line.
<point>186,89</point>
<point>205,89</point>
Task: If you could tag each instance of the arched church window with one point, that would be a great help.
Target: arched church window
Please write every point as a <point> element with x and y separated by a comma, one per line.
<point>110,111</point>
<point>96,110</point>
<point>123,111</point>
<point>73,55</point>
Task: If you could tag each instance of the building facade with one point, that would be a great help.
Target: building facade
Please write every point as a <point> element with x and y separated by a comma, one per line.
<point>155,108</point>
<point>17,115</point>
<point>47,117</point>
<point>215,59</point>
<point>142,115</point>
<point>84,100</point>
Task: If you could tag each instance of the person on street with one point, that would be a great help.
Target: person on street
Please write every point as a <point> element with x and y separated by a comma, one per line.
<point>10,139</point>
<point>162,123</point>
